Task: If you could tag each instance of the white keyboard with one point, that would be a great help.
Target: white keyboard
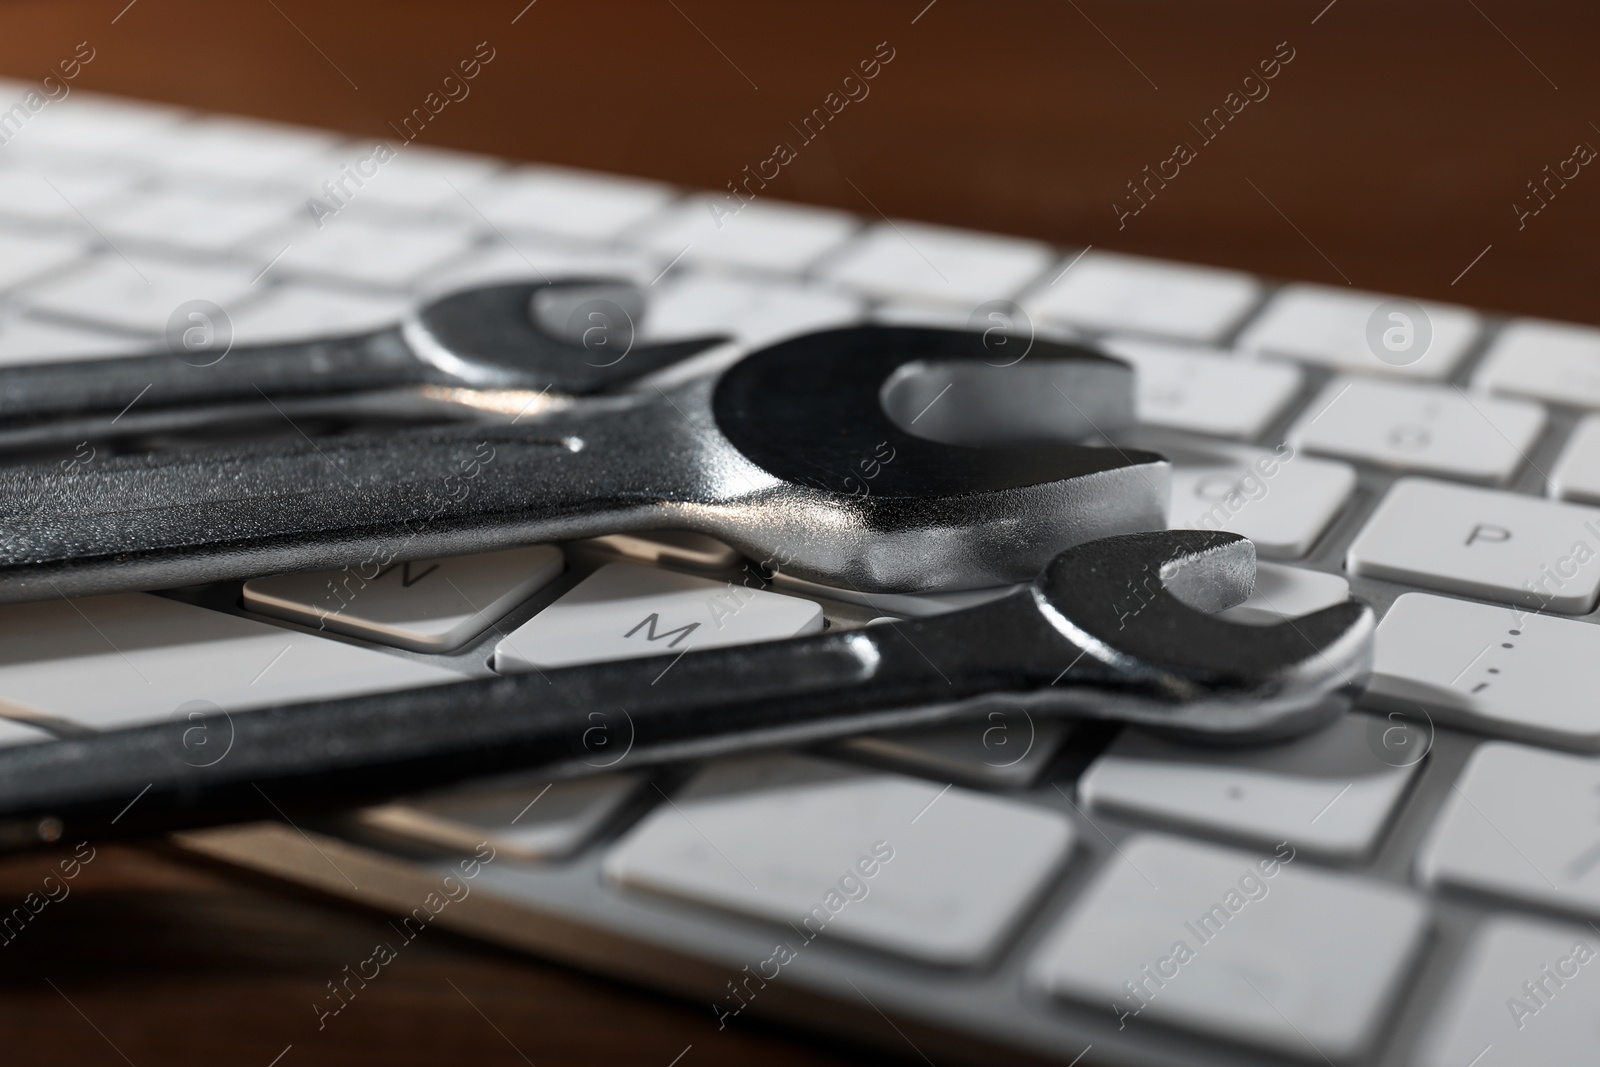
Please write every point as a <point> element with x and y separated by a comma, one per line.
<point>1417,884</point>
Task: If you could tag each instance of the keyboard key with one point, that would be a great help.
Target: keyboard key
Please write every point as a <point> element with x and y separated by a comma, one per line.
<point>915,261</point>
<point>363,249</point>
<point>1524,993</point>
<point>1500,670</point>
<point>1204,391</point>
<point>1576,475</point>
<point>1288,593</point>
<point>937,874</point>
<point>624,610</point>
<point>55,194</point>
<point>134,659</point>
<point>1416,427</point>
<point>1007,748</point>
<point>1248,947</point>
<point>27,340</point>
<point>415,178</point>
<point>88,123</point>
<point>26,257</point>
<point>1331,793</point>
<point>1551,361</point>
<point>570,203</point>
<point>675,548</point>
<point>1330,326</point>
<point>527,818</point>
<point>1105,291</point>
<point>1281,500</point>
<point>204,218</point>
<point>298,311</point>
<point>143,296</point>
<point>756,312</point>
<point>775,237</point>
<point>431,605</point>
<point>243,150</point>
<point>1521,824</point>
<point>535,259</point>
<point>1483,543</point>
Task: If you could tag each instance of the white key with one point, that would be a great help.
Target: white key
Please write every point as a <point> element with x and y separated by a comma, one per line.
<point>1281,500</point>
<point>1330,326</point>
<point>1521,824</point>
<point>55,194</point>
<point>1500,670</point>
<point>245,150</point>
<point>204,218</point>
<point>1524,993</point>
<point>1205,391</point>
<point>1483,543</point>
<point>907,866</point>
<point>87,123</point>
<point>536,259</point>
<point>677,548</point>
<point>1331,793</point>
<point>414,179</point>
<point>624,610</point>
<point>26,340</point>
<point>17,732</point>
<point>915,261</point>
<point>1241,945</point>
<point>298,311</point>
<point>25,257</point>
<point>756,312</point>
<point>363,249</point>
<point>762,235</point>
<point>1287,593</point>
<point>528,819</point>
<point>1008,748</point>
<point>570,203</point>
<point>1105,291</point>
<point>1552,361</point>
<point>1417,427</point>
<point>136,658</point>
<point>428,605</point>
<point>1576,475</point>
<point>140,297</point>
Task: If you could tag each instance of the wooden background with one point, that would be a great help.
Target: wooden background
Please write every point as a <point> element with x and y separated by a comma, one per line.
<point>1388,155</point>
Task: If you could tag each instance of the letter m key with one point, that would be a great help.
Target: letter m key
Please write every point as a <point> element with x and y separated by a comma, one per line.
<point>648,624</point>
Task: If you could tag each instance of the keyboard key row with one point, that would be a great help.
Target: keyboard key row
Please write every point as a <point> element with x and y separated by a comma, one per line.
<point>137,658</point>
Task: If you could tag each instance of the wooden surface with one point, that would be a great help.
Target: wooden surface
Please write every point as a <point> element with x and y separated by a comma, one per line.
<point>1387,155</point>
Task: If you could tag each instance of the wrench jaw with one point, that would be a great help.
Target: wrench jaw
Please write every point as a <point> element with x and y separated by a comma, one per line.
<point>930,468</point>
<point>577,336</point>
<point>1139,608</point>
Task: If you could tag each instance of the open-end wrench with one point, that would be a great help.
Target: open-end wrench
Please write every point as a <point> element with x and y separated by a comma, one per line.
<point>1116,629</point>
<point>878,457</point>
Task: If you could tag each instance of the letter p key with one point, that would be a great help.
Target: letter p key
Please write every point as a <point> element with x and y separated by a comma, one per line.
<point>1488,533</point>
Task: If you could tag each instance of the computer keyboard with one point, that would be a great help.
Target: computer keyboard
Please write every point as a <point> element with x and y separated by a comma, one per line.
<point>1415,884</point>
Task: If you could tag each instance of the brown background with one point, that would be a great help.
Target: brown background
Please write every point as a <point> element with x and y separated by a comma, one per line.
<point>1388,155</point>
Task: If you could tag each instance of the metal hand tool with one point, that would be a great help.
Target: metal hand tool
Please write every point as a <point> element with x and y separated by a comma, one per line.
<point>874,457</point>
<point>1115,629</point>
<point>575,337</point>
